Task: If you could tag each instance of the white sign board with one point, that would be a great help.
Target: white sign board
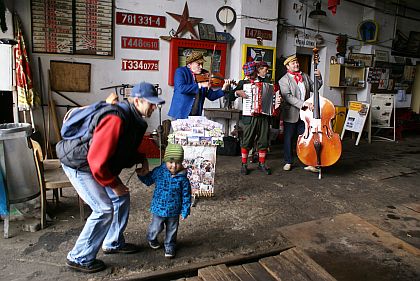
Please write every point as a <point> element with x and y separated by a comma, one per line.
<point>356,118</point>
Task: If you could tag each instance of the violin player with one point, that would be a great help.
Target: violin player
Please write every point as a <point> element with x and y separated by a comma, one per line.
<point>189,95</point>
<point>295,88</point>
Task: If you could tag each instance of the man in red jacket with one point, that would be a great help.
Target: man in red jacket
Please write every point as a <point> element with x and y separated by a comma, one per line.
<point>93,163</point>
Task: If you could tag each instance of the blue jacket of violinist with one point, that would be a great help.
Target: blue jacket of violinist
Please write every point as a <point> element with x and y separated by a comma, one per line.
<point>189,96</point>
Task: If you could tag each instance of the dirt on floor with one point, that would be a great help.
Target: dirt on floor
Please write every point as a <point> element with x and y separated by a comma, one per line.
<point>245,216</point>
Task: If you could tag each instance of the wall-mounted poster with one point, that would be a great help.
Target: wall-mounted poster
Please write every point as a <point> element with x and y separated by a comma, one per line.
<point>73,27</point>
<point>259,53</point>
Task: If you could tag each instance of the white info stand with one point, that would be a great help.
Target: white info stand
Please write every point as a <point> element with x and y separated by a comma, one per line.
<point>382,115</point>
<point>356,118</point>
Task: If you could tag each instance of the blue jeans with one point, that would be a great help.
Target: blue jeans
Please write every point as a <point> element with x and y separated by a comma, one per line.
<point>171,230</point>
<point>291,130</point>
<point>107,222</point>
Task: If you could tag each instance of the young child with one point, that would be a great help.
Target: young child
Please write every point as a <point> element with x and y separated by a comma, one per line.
<point>171,198</point>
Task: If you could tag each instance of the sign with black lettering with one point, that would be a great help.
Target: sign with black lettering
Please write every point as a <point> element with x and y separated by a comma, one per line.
<point>255,32</point>
<point>139,43</point>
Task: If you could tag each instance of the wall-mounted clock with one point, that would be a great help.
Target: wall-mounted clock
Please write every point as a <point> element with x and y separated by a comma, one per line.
<point>226,15</point>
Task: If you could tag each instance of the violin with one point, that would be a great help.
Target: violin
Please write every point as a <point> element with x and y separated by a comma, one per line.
<point>215,79</point>
<point>319,145</point>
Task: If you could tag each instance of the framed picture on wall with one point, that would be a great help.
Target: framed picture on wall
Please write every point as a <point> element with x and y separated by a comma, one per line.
<point>214,53</point>
<point>259,53</point>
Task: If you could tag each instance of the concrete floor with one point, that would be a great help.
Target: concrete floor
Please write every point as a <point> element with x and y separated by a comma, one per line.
<point>256,213</point>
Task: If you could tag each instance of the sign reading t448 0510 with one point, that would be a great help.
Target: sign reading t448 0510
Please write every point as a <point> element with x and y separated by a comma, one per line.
<point>139,43</point>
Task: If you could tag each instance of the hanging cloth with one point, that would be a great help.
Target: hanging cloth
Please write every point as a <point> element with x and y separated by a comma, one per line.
<point>27,97</point>
<point>332,5</point>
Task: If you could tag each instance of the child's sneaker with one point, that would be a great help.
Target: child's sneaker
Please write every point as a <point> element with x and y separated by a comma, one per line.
<point>154,244</point>
<point>169,253</point>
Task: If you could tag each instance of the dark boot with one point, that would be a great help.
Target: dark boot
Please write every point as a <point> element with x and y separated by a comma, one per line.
<point>244,169</point>
<point>264,168</point>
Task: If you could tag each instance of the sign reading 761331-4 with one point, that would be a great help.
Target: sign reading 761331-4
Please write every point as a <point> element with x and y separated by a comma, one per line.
<point>140,20</point>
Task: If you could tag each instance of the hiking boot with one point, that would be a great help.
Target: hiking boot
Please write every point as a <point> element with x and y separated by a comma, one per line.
<point>128,248</point>
<point>169,253</point>
<point>311,169</point>
<point>95,266</point>
<point>264,168</point>
<point>287,167</point>
<point>244,169</point>
<point>154,244</point>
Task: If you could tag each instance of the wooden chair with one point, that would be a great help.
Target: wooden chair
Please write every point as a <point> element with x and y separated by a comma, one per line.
<point>51,177</point>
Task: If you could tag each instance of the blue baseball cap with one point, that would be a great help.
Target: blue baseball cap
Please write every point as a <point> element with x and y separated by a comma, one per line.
<point>146,91</point>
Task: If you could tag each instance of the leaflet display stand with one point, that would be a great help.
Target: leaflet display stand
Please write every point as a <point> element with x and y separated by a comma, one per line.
<point>356,118</point>
<point>382,115</point>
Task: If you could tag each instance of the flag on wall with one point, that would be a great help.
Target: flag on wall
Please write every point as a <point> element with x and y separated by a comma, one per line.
<point>27,97</point>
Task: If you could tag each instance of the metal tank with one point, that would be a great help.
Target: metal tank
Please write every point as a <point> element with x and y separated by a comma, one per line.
<point>17,163</point>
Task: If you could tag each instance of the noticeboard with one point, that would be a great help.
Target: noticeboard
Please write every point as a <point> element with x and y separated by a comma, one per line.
<point>73,27</point>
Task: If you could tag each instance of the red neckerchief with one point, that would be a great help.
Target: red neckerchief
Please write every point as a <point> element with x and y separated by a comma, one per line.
<point>297,75</point>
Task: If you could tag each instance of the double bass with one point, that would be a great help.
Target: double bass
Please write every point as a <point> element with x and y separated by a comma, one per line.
<point>319,145</point>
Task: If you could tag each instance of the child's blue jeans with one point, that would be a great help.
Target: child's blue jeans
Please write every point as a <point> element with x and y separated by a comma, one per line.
<point>171,229</point>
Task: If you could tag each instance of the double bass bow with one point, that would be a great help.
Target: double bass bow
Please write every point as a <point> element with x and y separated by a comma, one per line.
<point>319,145</point>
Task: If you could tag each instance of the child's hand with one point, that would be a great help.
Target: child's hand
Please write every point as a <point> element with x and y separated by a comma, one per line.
<point>142,171</point>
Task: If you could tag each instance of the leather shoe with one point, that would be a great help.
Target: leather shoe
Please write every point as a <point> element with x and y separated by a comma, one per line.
<point>128,248</point>
<point>312,169</point>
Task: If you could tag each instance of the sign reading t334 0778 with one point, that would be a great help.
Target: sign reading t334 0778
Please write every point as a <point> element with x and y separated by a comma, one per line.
<point>133,64</point>
<point>255,32</point>
<point>140,20</point>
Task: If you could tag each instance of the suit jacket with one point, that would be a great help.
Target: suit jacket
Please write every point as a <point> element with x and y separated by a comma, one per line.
<point>186,91</point>
<point>291,95</point>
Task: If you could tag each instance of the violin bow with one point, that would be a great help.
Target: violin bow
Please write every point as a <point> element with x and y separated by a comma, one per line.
<point>211,63</point>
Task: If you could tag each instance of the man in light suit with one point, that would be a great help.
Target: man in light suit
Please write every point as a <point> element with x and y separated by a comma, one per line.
<point>295,88</point>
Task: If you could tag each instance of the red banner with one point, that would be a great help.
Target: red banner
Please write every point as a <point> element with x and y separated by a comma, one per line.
<point>140,20</point>
<point>139,43</point>
<point>133,64</point>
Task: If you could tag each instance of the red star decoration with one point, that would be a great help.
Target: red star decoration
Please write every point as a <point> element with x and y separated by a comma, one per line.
<point>185,22</point>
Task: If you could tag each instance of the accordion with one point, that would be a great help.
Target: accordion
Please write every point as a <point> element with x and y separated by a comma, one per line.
<point>261,99</point>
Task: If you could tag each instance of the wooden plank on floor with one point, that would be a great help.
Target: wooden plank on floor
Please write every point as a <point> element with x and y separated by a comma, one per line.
<point>207,274</point>
<point>303,262</point>
<point>241,273</point>
<point>194,278</point>
<point>282,270</point>
<point>226,273</point>
<point>258,272</point>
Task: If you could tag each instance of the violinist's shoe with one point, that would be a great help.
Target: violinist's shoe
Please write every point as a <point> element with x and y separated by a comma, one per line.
<point>311,169</point>
<point>287,167</point>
